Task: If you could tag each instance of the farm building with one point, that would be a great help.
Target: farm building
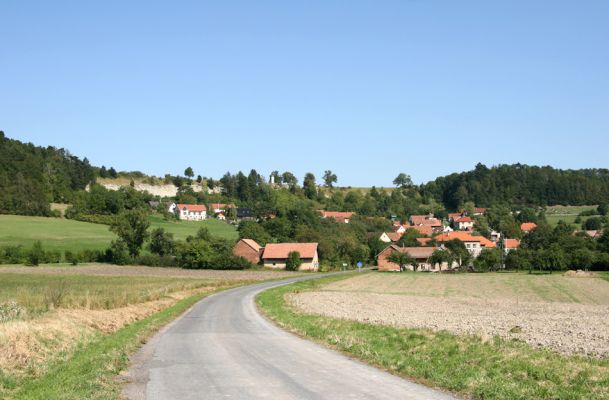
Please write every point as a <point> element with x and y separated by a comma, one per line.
<point>420,254</point>
<point>275,255</point>
<point>338,216</point>
<point>248,249</point>
<point>474,244</point>
<point>189,212</point>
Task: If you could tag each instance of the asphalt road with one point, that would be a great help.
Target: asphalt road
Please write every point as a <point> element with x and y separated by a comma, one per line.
<point>224,349</point>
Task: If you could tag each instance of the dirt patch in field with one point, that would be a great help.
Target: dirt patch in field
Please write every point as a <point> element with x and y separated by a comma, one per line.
<point>132,270</point>
<point>567,328</point>
<point>27,346</point>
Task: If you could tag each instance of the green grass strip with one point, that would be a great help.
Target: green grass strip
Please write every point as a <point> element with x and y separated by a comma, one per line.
<point>91,372</point>
<point>466,365</point>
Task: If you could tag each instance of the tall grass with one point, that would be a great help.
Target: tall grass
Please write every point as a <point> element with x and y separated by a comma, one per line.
<point>39,292</point>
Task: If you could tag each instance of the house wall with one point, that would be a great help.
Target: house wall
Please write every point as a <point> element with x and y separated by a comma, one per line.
<point>424,265</point>
<point>192,216</point>
<point>308,264</point>
<point>241,249</point>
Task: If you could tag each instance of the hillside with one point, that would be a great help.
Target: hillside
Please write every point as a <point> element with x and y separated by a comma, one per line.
<point>31,177</point>
<point>520,184</point>
<point>64,234</point>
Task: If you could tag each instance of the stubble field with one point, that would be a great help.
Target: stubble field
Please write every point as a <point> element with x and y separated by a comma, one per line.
<point>564,314</point>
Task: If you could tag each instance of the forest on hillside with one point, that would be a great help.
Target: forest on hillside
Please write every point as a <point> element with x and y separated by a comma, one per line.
<point>518,184</point>
<point>31,177</point>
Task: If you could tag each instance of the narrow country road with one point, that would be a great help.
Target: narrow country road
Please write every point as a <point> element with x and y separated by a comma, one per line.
<point>224,349</point>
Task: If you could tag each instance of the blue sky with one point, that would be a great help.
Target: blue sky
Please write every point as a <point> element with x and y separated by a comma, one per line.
<point>367,89</point>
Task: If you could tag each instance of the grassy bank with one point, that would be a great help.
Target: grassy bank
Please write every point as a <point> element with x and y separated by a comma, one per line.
<point>466,365</point>
<point>64,234</point>
<point>90,373</point>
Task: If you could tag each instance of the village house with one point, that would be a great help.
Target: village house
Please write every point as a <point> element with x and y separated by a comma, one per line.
<point>275,255</point>
<point>463,223</point>
<point>510,244</point>
<point>527,227</point>
<point>390,237</point>
<point>338,216</point>
<point>473,244</point>
<point>248,249</point>
<point>421,255</point>
<point>189,212</point>
<point>422,229</point>
<point>428,219</point>
<point>479,211</point>
<point>218,208</point>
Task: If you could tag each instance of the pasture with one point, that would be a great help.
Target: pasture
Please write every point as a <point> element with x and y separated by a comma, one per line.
<point>69,235</point>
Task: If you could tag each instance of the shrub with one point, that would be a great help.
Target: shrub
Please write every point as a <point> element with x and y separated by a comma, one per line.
<point>71,258</point>
<point>293,262</point>
<point>35,255</point>
<point>117,253</point>
<point>12,255</point>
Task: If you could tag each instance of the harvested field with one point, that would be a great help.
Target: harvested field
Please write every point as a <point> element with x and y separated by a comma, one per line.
<point>568,315</point>
<point>132,270</point>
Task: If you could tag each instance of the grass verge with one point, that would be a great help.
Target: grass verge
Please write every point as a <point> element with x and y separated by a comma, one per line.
<point>465,365</point>
<point>90,373</point>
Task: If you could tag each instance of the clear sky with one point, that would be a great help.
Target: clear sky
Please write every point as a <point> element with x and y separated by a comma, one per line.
<point>367,89</point>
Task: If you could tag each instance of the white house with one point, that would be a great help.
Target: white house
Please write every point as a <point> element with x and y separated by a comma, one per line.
<point>189,212</point>
<point>463,223</point>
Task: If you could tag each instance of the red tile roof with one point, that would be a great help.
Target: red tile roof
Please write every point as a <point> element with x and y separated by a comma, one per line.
<point>464,237</point>
<point>393,236</point>
<point>192,207</point>
<point>479,210</point>
<point>464,219</point>
<point>425,220</point>
<point>220,206</point>
<point>426,230</point>
<point>454,215</point>
<point>336,214</point>
<point>528,226</point>
<point>415,252</point>
<point>424,241</point>
<point>511,243</point>
<point>252,243</point>
<point>281,250</point>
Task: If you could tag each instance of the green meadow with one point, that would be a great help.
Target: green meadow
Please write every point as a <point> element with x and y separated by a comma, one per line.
<point>64,234</point>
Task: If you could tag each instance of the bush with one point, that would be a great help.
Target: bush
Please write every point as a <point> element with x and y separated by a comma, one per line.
<point>12,255</point>
<point>10,311</point>
<point>117,253</point>
<point>155,260</point>
<point>71,258</point>
<point>36,254</point>
<point>293,262</point>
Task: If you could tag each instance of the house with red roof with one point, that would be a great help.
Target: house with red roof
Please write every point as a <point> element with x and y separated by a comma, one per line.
<point>421,255</point>
<point>473,244</point>
<point>390,237</point>
<point>275,255</point>
<point>248,249</point>
<point>527,227</point>
<point>510,244</point>
<point>189,212</point>
<point>464,223</point>
<point>338,216</point>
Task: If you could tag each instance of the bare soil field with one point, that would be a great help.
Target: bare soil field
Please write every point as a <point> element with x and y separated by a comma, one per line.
<point>565,314</point>
<point>133,270</point>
